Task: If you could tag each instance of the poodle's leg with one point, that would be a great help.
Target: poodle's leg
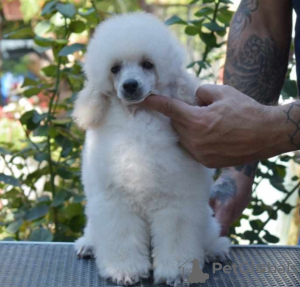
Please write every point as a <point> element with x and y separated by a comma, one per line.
<point>83,245</point>
<point>216,247</point>
<point>120,240</point>
<point>176,237</point>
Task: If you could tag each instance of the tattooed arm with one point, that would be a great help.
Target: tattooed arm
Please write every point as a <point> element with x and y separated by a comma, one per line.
<point>256,64</point>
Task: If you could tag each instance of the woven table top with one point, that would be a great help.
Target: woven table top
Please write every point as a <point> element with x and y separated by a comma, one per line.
<point>34,264</point>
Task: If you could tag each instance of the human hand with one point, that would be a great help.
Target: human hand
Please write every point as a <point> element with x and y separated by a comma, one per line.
<point>230,195</point>
<point>227,129</point>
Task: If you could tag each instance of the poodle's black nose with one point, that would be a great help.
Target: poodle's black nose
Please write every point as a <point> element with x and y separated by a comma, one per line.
<point>130,86</point>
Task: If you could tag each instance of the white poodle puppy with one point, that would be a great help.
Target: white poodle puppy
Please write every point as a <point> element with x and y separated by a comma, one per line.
<point>142,188</point>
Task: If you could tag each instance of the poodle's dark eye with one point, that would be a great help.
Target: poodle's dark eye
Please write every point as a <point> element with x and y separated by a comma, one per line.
<point>147,65</point>
<point>115,69</point>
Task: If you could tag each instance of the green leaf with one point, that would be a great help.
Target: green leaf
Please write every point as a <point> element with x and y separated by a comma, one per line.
<point>226,1</point>
<point>40,156</point>
<point>68,10</point>
<point>4,151</point>
<point>42,27</point>
<point>77,223</point>
<point>25,32</point>
<point>64,173</point>
<point>60,197</point>
<point>225,16</point>
<point>50,71</point>
<point>32,119</point>
<point>65,144</point>
<point>270,238</point>
<point>13,193</point>
<point>213,26</point>
<point>72,210</point>
<point>201,64</point>
<point>43,42</point>
<point>250,235</point>
<point>194,2</point>
<point>44,198</point>
<point>90,15</point>
<point>77,26</point>
<point>209,39</point>
<point>41,234</point>
<point>79,199</point>
<point>204,12</point>
<point>289,89</point>
<point>258,209</point>
<point>31,92</point>
<point>42,130</point>
<point>37,212</point>
<point>8,179</point>
<point>285,158</point>
<point>29,82</point>
<point>256,224</point>
<point>37,118</point>
<point>14,226</point>
<point>174,20</point>
<point>280,170</point>
<point>62,121</point>
<point>190,30</point>
<point>278,184</point>
<point>286,208</point>
<point>273,215</point>
<point>49,8</point>
<point>71,49</point>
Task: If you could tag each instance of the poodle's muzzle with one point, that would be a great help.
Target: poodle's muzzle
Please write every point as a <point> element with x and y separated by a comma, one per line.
<point>132,82</point>
<point>132,92</point>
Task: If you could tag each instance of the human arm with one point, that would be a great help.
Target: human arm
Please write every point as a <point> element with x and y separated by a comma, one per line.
<point>256,64</point>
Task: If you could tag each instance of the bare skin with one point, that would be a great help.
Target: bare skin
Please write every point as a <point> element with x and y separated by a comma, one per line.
<point>256,64</point>
<point>230,128</point>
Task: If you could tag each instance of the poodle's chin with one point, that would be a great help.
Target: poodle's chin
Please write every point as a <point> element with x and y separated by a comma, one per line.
<point>134,101</point>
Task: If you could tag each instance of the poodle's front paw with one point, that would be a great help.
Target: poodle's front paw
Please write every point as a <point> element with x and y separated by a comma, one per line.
<point>127,279</point>
<point>169,274</point>
<point>218,251</point>
<point>84,248</point>
<point>175,282</point>
<point>85,252</point>
<point>124,272</point>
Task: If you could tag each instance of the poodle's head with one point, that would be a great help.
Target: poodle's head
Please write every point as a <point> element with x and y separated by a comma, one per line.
<point>130,57</point>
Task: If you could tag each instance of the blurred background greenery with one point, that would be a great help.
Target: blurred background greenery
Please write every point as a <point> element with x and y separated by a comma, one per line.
<point>41,54</point>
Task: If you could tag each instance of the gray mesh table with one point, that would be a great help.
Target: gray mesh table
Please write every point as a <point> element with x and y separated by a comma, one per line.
<point>56,265</point>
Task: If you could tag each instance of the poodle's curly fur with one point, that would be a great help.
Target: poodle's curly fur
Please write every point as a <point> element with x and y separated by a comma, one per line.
<point>142,188</point>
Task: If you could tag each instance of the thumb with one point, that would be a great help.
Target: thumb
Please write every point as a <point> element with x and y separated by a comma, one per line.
<point>172,108</point>
<point>208,94</point>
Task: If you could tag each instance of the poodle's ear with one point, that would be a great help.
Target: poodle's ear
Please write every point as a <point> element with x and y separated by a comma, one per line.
<point>184,88</point>
<point>90,107</point>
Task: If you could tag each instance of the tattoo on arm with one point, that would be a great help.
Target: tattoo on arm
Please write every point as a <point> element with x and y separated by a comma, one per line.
<point>243,16</point>
<point>257,69</point>
<point>255,65</point>
<point>293,117</point>
<point>224,189</point>
<point>247,169</point>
